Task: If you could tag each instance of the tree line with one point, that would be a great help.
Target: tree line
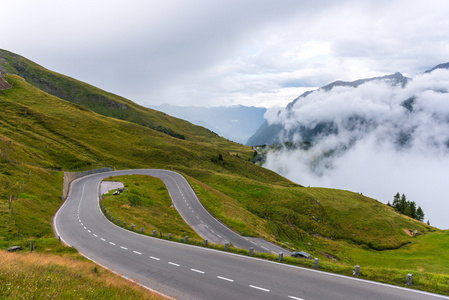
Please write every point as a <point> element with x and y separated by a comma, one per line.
<point>408,208</point>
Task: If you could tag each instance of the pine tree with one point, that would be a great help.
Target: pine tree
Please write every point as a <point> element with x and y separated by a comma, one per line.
<point>402,204</point>
<point>420,215</point>
<point>396,200</point>
<point>408,208</point>
<point>412,208</point>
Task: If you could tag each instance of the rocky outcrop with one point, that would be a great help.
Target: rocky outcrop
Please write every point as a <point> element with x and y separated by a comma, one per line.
<point>15,248</point>
<point>3,83</point>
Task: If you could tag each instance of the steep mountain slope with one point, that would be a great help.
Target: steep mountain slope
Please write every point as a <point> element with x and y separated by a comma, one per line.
<point>275,133</point>
<point>97,100</point>
<point>440,66</point>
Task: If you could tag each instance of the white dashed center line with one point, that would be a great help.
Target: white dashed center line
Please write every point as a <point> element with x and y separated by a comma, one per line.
<point>88,231</point>
<point>95,235</point>
<point>295,298</point>
<point>173,264</point>
<point>155,258</point>
<point>259,288</point>
<point>198,271</point>
<point>137,252</point>
<point>103,239</point>
<point>112,243</point>
<point>224,278</point>
<point>124,248</point>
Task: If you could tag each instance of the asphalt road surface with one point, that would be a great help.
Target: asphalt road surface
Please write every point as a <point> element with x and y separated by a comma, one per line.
<point>189,272</point>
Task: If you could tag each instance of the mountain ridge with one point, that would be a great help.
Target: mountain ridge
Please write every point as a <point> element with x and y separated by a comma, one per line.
<point>95,99</point>
<point>274,133</point>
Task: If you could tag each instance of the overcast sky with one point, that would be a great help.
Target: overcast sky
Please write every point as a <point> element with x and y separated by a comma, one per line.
<point>212,53</point>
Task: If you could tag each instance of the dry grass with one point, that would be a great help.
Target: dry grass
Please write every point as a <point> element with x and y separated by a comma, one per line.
<point>42,276</point>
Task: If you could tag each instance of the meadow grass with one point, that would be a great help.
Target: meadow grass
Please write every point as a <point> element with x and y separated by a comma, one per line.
<point>147,204</point>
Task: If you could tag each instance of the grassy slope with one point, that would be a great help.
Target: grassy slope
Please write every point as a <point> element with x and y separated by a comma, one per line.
<point>41,276</point>
<point>48,131</point>
<point>38,130</point>
<point>107,104</point>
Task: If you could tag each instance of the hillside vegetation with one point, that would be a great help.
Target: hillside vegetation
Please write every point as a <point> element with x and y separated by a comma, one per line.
<point>40,276</point>
<point>100,101</point>
<point>42,135</point>
<point>42,130</point>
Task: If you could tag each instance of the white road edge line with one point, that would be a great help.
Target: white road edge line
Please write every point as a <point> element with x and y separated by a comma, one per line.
<point>198,271</point>
<point>224,278</point>
<point>231,254</point>
<point>258,288</point>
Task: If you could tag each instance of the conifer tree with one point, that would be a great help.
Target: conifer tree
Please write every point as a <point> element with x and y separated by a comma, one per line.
<point>420,215</point>
<point>408,208</point>
<point>396,200</point>
<point>412,209</point>
<point>402,204</point>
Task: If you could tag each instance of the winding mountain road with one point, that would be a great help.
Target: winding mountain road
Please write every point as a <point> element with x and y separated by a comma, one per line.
<point>189,272</point>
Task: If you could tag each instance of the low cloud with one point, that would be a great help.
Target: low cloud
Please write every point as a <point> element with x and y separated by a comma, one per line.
<point>379,145</point>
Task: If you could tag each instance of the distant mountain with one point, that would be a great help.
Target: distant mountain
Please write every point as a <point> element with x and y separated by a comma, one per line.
<point>235,123</point>
<point>277,132</point>
<point>440,66</point>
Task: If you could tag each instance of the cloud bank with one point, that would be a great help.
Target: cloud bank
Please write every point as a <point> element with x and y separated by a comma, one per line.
<point>385,139</point>
<point>218,53</point>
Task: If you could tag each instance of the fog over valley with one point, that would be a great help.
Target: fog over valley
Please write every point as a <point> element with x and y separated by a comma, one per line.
<point>380,137</point>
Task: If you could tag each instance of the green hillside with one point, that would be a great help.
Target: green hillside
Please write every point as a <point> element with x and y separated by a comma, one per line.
<point>100,101</point>
<point>42,135</point>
